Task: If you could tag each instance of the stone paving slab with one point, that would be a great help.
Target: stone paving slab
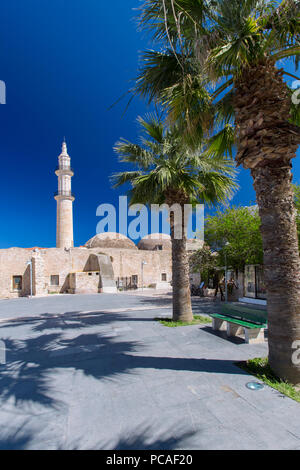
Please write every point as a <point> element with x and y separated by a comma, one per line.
<point>83,374</point>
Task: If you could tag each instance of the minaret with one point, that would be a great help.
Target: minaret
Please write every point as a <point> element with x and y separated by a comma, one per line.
<point>65,199</point>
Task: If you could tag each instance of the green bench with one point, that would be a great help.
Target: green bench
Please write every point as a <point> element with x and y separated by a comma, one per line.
<point>237,319</point>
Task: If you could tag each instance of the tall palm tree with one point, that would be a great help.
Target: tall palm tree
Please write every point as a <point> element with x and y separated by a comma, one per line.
<point>267,141</point>
<point>167,172</point>
<point>239,44</point>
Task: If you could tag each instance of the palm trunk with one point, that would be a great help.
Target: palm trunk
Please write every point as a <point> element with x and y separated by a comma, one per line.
<point>281,266</point>
<point>182,305</point>
<point>266,144</point>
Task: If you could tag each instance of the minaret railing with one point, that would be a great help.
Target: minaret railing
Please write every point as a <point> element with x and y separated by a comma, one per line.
<point>64,193</point>
<point>64,168</point>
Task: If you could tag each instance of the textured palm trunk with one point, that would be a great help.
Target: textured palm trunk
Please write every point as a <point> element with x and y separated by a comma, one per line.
<point>282,266</point>
<point>182,306</point>
<point>266,144</point>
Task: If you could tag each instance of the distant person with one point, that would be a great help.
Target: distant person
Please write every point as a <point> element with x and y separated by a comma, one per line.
<point>202,287</point>
<point>218,285</point>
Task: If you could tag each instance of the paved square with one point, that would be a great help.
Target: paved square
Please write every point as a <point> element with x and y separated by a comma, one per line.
<point>96,372</point>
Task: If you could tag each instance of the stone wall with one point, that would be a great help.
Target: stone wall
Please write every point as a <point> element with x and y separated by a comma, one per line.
<point>39,282</point>
<point>61,262</point>
<point>84,283</point>
<point>127,263</point>
<point>13,263</point>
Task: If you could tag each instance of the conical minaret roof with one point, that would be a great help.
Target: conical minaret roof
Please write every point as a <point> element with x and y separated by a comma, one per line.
<point>64,149</point>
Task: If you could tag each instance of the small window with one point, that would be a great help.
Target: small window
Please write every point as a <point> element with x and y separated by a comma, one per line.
<point>17,283</point>
<point>54,280</point>
<point>159,247</point>
<point>164,277</point>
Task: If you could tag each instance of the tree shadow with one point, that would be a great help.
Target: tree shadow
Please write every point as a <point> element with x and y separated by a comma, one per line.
<point>68,320</point>
<point>24,376</point>
<point>64,343</point>
<point>139,439</point>
<point>142,439</point>
<point>28,374</point>
<point>222,334</point>
<point>14,440</point>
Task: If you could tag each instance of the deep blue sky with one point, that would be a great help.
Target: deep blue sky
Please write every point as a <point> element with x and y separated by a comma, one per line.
<point>65,62</point>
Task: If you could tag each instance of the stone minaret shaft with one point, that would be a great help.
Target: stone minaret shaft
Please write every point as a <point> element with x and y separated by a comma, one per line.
<point>65,199</point>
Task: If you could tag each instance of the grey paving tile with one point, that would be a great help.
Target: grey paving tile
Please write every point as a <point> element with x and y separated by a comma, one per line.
<point>121,380</point>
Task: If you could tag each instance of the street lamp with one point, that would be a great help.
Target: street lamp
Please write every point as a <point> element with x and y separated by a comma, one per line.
<point>29,263</point>
<point>226,286</point>
<point>143,264</point>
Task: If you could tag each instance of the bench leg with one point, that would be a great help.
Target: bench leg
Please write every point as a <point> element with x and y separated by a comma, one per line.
<point>255,335</point>
<point>218,324</point>
<point>234,330</point>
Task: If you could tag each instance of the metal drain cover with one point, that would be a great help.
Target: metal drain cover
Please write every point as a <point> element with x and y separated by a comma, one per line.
<point>255,386</point>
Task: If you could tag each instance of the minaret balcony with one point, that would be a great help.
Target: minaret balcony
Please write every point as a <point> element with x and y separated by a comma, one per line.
<point>64,195</point>
<point>64,170</point>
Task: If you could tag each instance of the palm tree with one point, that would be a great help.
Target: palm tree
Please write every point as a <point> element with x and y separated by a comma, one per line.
<point>167,172</point>
<point>239,44</point>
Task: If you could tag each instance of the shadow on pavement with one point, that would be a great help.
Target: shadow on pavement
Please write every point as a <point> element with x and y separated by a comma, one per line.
<point>31,362</point>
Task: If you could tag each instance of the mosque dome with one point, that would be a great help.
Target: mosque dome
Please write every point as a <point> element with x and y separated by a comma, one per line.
<point>155,242</point>
<point>111,240</point>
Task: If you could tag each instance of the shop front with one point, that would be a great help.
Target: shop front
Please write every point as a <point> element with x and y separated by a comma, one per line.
<point>254,286</point>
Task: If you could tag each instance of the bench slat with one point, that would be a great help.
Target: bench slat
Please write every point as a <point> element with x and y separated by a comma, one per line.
<point>237,321</point>
<point>245,314</point>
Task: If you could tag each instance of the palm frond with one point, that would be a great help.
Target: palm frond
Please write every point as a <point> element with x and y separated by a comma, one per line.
<point>205,163</point>
<point>289,52</point>
<point>133,153</point>
<point>153,127</point>
<point>189,106</point>
<point>221,143</point>
<point>159,71</point>
<point>218,188</point>
<point>174,167</point>
<point>165,20</point>
<point>282,24</point>
<point>118,179</point>
<point>224,110</point>
<point>241,48</point>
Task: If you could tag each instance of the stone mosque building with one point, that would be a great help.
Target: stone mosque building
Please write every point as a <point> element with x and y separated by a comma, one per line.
<point>106,263</point>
